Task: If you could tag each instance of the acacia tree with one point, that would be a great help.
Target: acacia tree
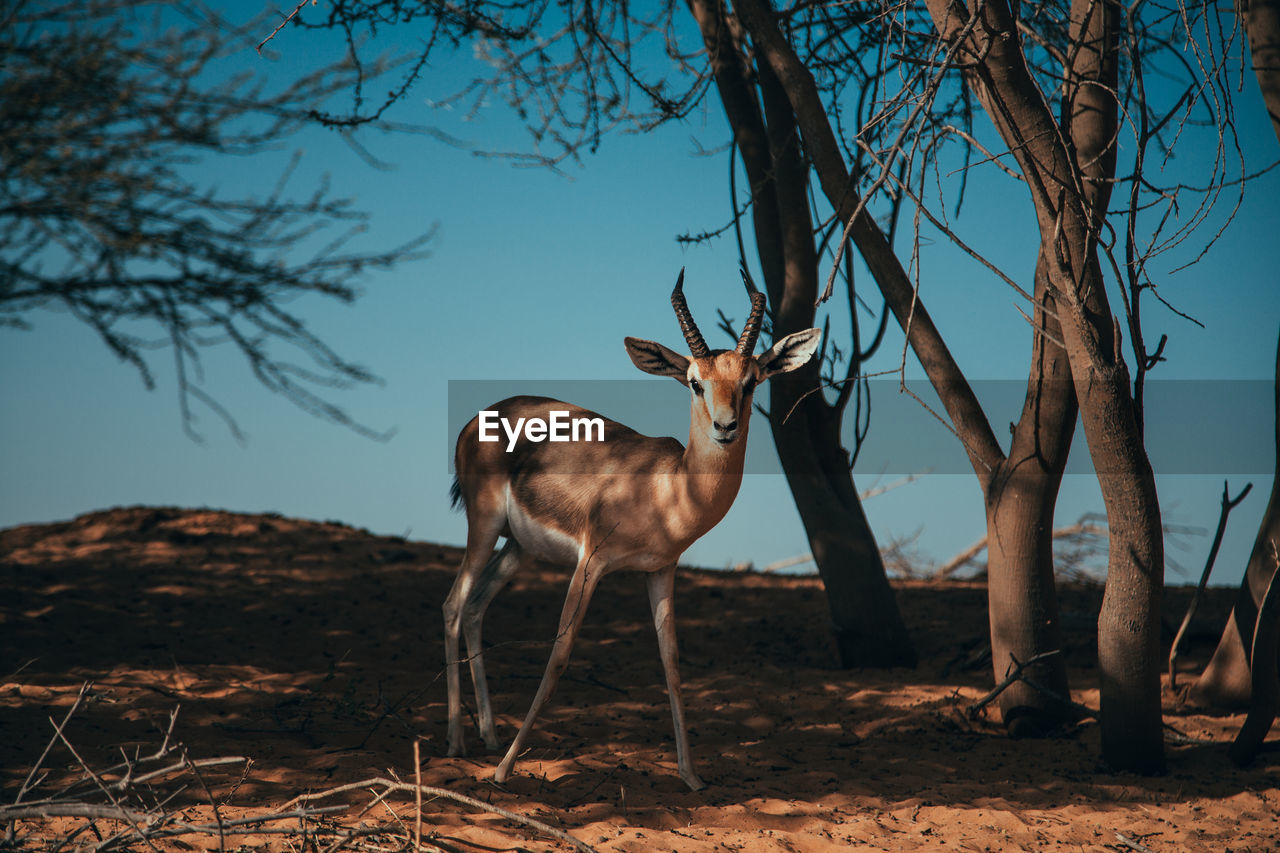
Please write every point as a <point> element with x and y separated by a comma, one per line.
<point>864,98</point>
<point>1227,680</point>
<point>107,109</point>
<point>1020,489</point>
<point>1068,164</point>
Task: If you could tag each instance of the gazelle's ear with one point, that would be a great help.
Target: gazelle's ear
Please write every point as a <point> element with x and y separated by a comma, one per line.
<point>653,357</point>
<point>790,353</point>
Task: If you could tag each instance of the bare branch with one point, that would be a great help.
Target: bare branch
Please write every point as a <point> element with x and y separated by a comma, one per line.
<point>1228,503</point>
<point>103,109</point>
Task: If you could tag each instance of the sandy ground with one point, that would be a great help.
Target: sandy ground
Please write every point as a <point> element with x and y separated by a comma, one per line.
<point>315,650</point>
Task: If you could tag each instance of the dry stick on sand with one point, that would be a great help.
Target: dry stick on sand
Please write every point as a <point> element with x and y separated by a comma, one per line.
<point>1017,672</point>
<point>146,824</point>
<point>443,793</point>
<point>417,795</point>
<point>1131,844</point>
<point>29,782</point>
<point>1228,504</point>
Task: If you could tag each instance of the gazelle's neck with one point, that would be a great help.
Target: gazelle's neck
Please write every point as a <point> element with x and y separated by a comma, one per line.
<point>711,473</point>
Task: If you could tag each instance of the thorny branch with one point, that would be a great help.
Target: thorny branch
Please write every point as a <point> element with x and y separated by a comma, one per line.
<point>106,108</point>
<point>1017,672</point>
<point>125,803</point>
<point>895,93</point>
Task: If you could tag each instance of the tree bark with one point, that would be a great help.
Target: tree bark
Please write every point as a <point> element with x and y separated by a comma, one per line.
<point>1262,27</point>
<point>865,618</point>
<point>1020,500</point>
<point>1227,681</point>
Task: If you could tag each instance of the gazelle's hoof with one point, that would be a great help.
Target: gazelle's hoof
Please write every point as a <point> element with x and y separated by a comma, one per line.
<point>691,779</point>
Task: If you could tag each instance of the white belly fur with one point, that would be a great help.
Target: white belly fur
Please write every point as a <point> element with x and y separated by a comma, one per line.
<point>538,539</point>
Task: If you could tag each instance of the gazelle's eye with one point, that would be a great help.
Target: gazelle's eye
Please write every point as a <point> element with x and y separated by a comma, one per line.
<point>696,386</point>
<point>749,385</point>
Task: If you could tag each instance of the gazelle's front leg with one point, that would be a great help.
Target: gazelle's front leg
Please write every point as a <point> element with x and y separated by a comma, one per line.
<point>581,586</point>
<point>662,603</point>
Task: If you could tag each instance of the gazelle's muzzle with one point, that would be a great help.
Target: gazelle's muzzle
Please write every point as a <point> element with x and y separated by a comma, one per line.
<point>725,423</point>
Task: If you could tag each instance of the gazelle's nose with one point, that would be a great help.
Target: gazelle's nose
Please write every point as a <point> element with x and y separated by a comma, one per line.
<point>729,427</point>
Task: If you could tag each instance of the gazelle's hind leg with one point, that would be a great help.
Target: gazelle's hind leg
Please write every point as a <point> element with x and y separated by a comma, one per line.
<point>479,555</point>
<point>492,578</point>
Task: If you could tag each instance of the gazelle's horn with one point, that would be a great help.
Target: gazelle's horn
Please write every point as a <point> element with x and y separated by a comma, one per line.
<point>747,343</point>
<point>697,346</point>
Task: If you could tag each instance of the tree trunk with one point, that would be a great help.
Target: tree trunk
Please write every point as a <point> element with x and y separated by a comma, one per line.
<point>868,626</point>
<point>1022,599</point>
<point>864,615</point>
<point>1020,499</point>
<point>1227,680</point>
<point>1129,621</point>
<point>1262,26</point>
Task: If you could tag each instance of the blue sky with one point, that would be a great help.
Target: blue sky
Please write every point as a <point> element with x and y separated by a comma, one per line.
<point>538,276</point>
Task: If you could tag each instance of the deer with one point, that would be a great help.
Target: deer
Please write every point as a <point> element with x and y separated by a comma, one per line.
<point>628,502</point>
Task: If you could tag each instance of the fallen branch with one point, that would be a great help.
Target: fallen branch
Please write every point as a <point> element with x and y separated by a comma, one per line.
<point>30,782</point>
<point>801,559</point>
<point>798,560</point>
<point>141,816</point>
<point>1133,845</point>
<point>1015,674</point>
<point>391,786</point>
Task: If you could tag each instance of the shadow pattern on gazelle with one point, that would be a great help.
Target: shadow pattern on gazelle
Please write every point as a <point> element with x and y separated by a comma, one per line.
<point>628,502</point>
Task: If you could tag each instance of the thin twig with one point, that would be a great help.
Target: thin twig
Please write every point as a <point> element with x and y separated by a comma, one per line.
<point>1014,674</point>
<point>281,25</point>
<point>950,567</point>
<point>1228,504</point>
<point>57,731</point>
<point>1133,845</point>
<point>444,793</point>
<point>417,795</point>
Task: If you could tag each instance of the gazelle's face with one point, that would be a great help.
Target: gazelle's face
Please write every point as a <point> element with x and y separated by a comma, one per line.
<point>721,386</point>
<point>723,382</point>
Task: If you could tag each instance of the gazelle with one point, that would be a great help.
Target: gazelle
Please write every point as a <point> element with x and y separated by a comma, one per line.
<point>628,502</point>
